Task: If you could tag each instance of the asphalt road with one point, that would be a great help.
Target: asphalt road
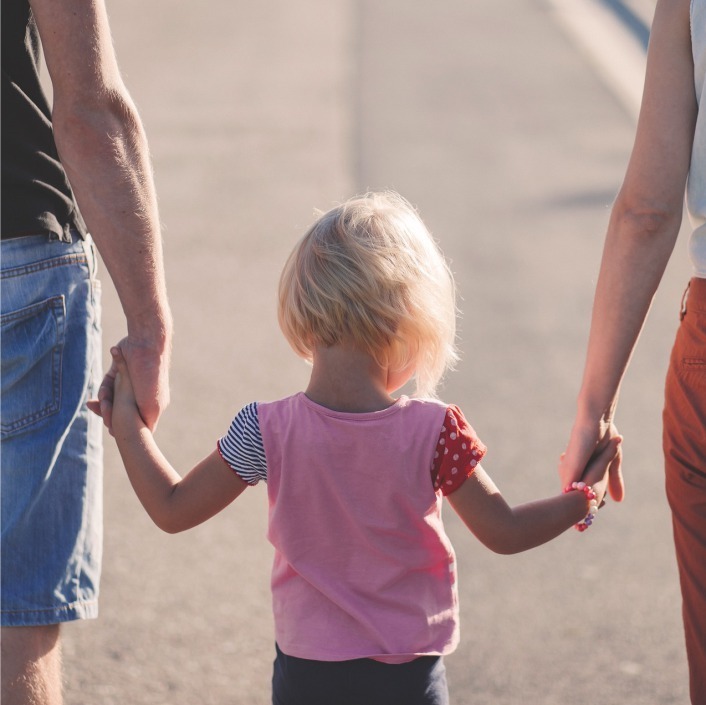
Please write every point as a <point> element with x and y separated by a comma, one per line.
<point>490,120</point>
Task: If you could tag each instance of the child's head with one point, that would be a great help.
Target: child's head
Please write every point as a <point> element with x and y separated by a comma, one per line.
<point>368,273</point>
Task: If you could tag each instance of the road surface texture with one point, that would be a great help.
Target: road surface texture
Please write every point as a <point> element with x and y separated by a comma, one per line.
<point>496,126</point>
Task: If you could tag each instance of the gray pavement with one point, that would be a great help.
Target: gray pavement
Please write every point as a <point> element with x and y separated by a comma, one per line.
<point>490,121</point>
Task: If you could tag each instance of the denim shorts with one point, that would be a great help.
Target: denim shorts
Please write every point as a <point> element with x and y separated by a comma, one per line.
<point>51,455</point>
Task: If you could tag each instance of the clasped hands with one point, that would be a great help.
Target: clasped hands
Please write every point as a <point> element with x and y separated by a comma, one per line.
<point>148,368</point>
<point>586,443</point>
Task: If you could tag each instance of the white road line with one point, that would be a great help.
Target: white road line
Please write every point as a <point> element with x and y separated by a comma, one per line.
<point>615,52</point>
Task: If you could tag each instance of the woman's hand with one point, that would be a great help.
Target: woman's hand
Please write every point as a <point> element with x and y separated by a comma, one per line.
<point>586,443</point>
<point>598,470</point>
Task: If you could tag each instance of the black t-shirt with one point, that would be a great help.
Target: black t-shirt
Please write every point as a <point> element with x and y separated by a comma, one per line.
<point>36,196</point>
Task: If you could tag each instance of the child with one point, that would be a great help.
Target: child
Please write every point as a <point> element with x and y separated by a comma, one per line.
<point>364,576</point>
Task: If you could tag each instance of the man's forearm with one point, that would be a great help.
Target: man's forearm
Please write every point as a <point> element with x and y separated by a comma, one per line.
<point>104,151</point>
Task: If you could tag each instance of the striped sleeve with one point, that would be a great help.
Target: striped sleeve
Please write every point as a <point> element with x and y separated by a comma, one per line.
<point>242,446</point>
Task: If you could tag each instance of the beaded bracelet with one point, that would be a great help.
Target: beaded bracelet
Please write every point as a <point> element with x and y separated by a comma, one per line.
<point>592,503</point>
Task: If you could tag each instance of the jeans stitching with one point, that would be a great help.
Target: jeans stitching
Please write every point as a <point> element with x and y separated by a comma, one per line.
<point>60,261</point>
<point>56,306</point>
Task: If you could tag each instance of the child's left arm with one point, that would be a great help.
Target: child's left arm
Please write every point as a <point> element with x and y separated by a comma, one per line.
<point>506,529</point>
<point>174,503</point>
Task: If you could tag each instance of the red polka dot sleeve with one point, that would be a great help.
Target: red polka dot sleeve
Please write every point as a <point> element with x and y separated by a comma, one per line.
<point>457,454</point>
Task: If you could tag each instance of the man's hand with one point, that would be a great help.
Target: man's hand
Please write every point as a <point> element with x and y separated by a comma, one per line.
<point>149,372</point>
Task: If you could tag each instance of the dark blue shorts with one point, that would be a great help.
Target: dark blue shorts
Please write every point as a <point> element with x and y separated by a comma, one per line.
<point>363,681</point>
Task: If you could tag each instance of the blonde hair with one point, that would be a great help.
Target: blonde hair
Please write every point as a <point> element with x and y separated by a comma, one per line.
<point>369,273</point>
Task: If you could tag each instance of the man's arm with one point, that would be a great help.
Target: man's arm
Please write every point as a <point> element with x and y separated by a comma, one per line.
<point>102,146</point>
<point>643,228</point>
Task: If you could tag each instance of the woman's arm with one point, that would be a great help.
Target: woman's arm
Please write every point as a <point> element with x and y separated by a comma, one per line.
<point>174,503</point>
<point>505,529</point>
<point>642,230</point>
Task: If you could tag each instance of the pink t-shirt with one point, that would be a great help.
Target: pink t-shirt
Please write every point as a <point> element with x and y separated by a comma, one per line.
<point>363,566</point>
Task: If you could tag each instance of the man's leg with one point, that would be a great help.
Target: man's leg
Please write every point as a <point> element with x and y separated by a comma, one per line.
<point>51,459</point>
<point>31,665</point>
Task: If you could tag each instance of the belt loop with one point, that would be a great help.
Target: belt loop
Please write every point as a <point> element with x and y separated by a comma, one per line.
<point>684,298</point>
<point>89,249</point>
<point>67,234</point>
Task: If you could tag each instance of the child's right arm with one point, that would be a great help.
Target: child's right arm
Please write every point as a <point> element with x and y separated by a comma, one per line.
<point>506,529</point>
<point>174,503</point>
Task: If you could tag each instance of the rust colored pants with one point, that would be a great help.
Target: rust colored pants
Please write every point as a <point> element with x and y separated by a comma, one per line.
<point>685,465</point>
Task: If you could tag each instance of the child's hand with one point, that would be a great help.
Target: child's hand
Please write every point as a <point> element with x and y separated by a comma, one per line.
<point>584,443</point>
<point>597,473</point>
<point>125,411</point>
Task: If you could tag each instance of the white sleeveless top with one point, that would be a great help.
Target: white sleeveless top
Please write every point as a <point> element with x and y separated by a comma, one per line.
<point>696,187</point>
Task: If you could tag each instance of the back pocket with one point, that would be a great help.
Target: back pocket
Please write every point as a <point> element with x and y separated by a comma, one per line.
<point>32,350</point>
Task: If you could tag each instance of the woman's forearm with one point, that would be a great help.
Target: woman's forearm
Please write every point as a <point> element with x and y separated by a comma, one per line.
<point>637,248</point>
<point>647,214</point>
<point>643,228</point>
